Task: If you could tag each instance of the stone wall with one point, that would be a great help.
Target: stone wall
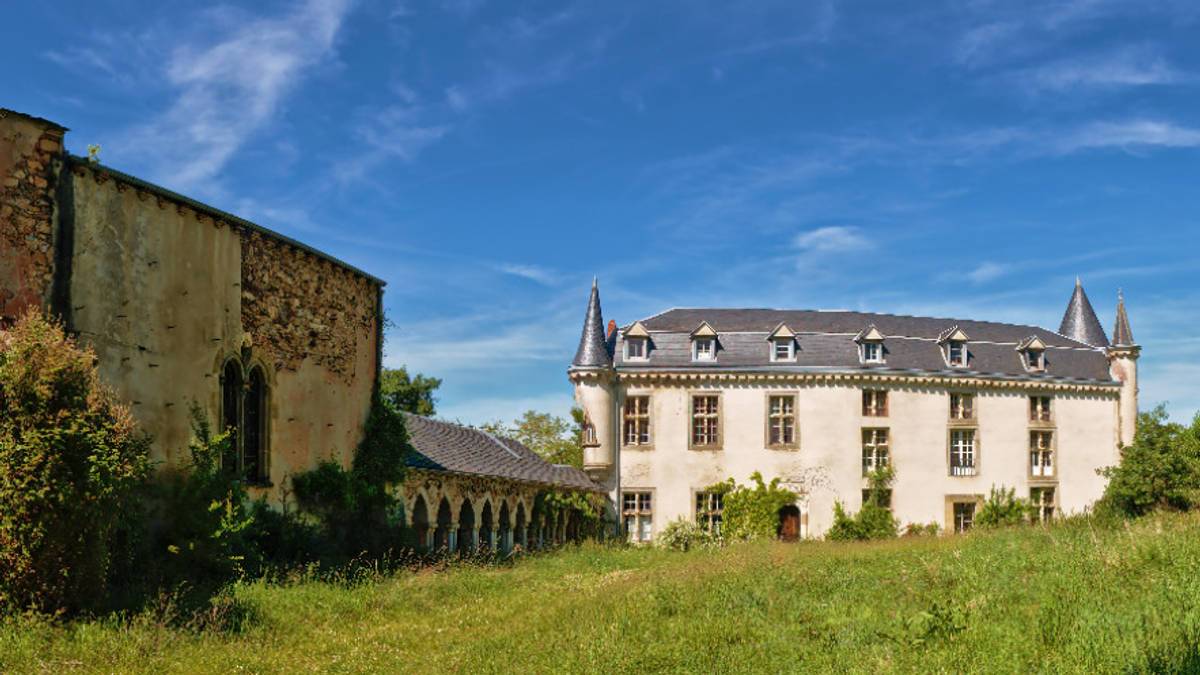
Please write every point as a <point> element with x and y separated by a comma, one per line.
<point>298,306</point>
<point>28,150</point>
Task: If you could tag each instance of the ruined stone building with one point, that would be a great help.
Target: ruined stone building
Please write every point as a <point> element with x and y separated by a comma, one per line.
<point>687,398</point>
<point>186,305</point>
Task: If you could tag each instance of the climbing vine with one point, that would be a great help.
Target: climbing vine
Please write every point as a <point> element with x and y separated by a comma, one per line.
<point>752,512</point>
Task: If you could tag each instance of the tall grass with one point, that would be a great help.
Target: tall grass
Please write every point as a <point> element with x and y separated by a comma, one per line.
<point>1075,597</point>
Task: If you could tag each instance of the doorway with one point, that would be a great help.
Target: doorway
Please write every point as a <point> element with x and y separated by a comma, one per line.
<point>789,523</point>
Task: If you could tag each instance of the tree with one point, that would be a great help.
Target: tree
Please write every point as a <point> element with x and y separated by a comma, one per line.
<point>1161,470</point>
<point>554,439</point>
<point>70,459</point>
<point>408,394</point>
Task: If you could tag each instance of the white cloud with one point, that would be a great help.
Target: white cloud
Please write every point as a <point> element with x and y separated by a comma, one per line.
<point>833,239</point>
<point>988,271</point>
<point>1129,134</point>
<point>1124,68</point>
<point>229,87</point>
<point>392,132</point>
<point>540,275</point>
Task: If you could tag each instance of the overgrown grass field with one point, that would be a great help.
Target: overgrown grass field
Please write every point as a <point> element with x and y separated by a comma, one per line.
<point>1076,597</point>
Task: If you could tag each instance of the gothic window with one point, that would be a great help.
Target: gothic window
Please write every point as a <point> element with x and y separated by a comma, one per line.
<point>244,409</point>
<point>1039,408</point>
<point>1041,454</point>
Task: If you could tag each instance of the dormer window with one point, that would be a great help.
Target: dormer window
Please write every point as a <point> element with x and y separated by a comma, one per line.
<point>954,344</point>
<point>637,342</point>
<point>783,344</point>
<point>704,343</point>
<point>872,352</point>
<point>870,346</point>
<point>1033,354</point>
<point>957,353</point>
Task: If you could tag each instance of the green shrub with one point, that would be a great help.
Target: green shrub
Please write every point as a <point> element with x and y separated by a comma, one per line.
<point>1161,470</point>
<point>682,534</point>
<point>921,530</point>
<point>752,513</point>
<point>874,520</point>
<point>70,457</point>
<point>1002,508</point>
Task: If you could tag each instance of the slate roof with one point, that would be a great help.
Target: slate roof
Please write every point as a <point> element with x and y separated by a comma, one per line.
<point>1122,333</point>
<point>1079,321</point>
<point>443,446</point>
<point>593,349</point>
<point>825,341</point>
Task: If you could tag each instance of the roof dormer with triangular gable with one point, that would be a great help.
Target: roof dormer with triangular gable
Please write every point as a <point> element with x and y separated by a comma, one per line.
<point>704,330</point>
<point>782,332</point>
<point>953,334</point>
<point>869,334</point>
<point>1032,351</point>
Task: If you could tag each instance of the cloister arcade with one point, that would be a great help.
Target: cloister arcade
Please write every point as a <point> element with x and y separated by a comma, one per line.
<point>464,513</point>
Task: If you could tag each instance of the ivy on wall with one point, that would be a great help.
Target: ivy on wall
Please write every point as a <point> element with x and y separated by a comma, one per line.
<point>752,512</point>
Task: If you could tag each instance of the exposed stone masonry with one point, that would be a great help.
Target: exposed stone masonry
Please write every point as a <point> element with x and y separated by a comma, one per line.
<point>27,221</point>
<point>296,306</point>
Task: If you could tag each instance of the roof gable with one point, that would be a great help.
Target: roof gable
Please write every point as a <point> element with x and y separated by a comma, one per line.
<point>704,330</point>
<point>781,332</point>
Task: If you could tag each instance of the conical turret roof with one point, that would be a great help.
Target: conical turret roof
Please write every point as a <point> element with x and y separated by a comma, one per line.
<point>1080,323</point>
<point>593,344</point>
<point>1122,334</point>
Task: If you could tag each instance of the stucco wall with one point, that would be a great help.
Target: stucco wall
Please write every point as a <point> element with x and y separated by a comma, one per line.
<point>165,294</point>
<point>828,463</point>
<point>28,149</point>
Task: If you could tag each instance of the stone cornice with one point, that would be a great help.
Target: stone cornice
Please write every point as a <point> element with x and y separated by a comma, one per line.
<point>979,381</point>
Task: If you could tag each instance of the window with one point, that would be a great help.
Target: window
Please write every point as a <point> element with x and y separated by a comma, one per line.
<point>244,416</point>
<point>781,420</point>
<point>704,349</point>
<point>874,449</point>
<point>637,420</point>
<point>638,514</point>
<point>962,452</point>
<point>709,506</point>
<point>886,501</point>
<point>1039,408</point>
<point>1041,454</point>
<point>705,420</point>
<point>589,433</point>
<point>874,402</point>
<point>872,352</point>
<point>783,349</point>
<point>962,406</point>
<point>964,516</point>
<point>1035,359</point>
<point>635,349</point>
<point>956,353</point>
<point>1042,499</point>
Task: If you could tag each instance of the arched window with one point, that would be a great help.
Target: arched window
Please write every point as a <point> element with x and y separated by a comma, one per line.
<point>244,415</point>
<point>254,420</point>
<point>231,412</point>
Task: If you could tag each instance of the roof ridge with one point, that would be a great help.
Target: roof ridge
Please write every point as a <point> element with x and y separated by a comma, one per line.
<point>864,313</point>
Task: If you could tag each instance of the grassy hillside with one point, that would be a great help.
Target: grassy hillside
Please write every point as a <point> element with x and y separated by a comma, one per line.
<point>1072,598</point>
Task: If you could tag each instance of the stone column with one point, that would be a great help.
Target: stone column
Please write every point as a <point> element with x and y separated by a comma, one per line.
<point>494,538</point>
<point>452,537</point>
<point>430,532</point>
<point>474,543</point>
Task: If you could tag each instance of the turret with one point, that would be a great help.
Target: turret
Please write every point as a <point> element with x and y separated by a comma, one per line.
<point>1079,321</point>
<point>592,373</point>
<point>1123,354</point>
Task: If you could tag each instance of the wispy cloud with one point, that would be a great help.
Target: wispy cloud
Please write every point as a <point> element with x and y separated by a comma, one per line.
<point>226,89</point>
<point>534,273</point>
<point>1130,135</point>
<point>833,239</point>
<point>1127,67</point>
<point>397,132</point>
<point>988,271</point>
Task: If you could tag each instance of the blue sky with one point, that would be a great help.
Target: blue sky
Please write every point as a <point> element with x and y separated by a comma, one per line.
<point>488,158</point>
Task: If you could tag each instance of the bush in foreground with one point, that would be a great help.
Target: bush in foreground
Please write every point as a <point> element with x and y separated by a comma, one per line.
<point>1160,470</point>
<point>682,534</point>
<point>70,457</point>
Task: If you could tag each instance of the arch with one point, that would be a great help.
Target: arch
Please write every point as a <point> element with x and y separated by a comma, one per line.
<point>788,528</point>
<point>445,520</point>
<point>254,426</point>
<point>420,521</point>
<point>466,526</point>
<point>231,411</point>
<point>505,543</point>
<point>487,522</point>
<point>521,529</point>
